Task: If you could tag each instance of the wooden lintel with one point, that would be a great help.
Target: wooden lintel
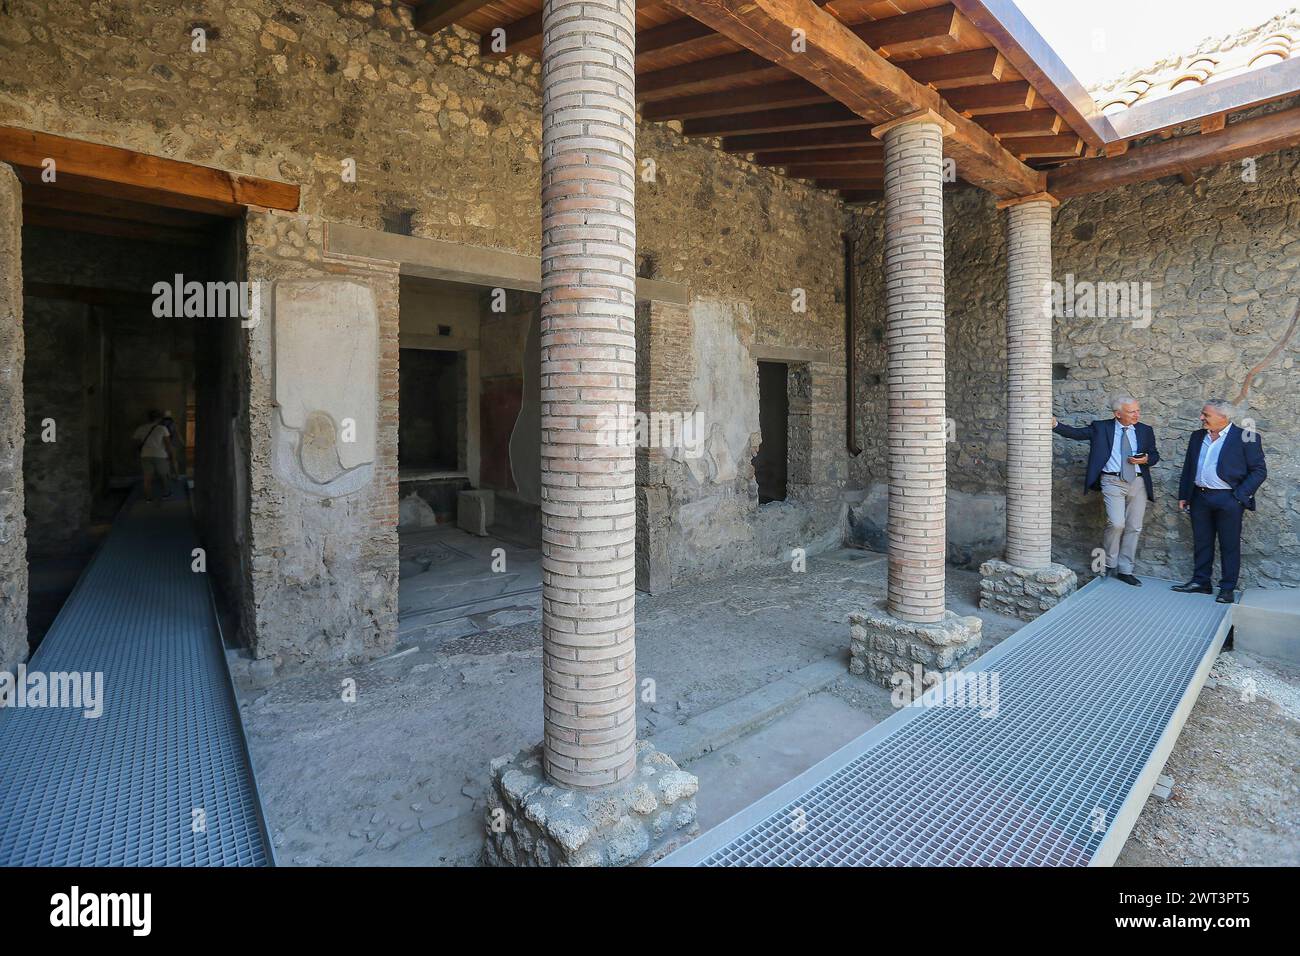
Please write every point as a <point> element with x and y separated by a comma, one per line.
<point>144,178</point>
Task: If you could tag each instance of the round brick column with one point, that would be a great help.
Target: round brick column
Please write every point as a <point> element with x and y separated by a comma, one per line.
<point>1029,384</point>
<point>588,380</point>
<point>914,336</point>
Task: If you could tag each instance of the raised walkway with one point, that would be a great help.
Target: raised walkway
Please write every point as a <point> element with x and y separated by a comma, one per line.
<point>162,776</point>
<point>1053,769</point>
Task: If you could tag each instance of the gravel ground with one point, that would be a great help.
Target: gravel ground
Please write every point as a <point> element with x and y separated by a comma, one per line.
<point>1236,770</point>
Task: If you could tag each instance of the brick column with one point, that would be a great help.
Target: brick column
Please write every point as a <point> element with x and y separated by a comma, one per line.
<point>914,336</point>
<point>913,627</point>
<point>588,377</point>
<point>591,795</point>
<point>1027,583</point>
<point>1029,384</point>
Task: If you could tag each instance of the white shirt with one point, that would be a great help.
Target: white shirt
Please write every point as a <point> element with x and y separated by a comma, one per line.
<point>1207,470</point>
<point>1116,462</point>
<point>154,437</point>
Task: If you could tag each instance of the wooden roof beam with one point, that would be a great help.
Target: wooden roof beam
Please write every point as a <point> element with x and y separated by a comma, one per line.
<point>774,121</point>
<point>739,100</point>
<point>994,98</point>
<point>714,72</point>
<point>972,68</point>
<point>909,32</point>
<point>1253,137</point>
<point>839,62</point>
<point>1064,146</point>
<point>518,35</point>
<point>1026,123</point>
<point>811,140</point>
<point>433,15</point>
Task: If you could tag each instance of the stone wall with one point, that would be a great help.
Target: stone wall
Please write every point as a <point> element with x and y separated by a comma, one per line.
<point>13,541</point>
<point>1222,258</point>
<point>302,90</point>
<point>56,473</point>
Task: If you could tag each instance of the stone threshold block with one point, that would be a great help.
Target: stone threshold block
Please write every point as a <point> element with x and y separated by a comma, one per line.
<point>1024,592</point>
<point>531,821</point>
<point>474,511</point>
<point>881,645</point>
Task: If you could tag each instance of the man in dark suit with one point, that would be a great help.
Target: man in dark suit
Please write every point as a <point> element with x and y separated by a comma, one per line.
<point>1121,453</point>
<point>1223,470</point>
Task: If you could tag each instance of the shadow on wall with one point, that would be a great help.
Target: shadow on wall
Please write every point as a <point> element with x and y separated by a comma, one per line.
<point>976,524</point>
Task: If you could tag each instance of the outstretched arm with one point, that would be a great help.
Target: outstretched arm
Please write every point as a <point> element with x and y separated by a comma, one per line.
<point>1069,431</point>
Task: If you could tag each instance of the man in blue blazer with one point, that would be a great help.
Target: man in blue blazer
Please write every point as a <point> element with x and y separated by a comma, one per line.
<point>1223,470</point>
<point>1121,453</point>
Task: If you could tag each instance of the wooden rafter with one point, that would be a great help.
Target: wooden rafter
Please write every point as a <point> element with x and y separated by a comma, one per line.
<point>859,135</point>
<point>995,98</point>
<point>774,121</point>
<point>1026,123</point>
<point>744,99</point>
<point>432,15</point>
<point>839,62</point>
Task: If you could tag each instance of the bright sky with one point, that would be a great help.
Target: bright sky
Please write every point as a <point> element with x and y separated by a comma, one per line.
<point>1101,39</point>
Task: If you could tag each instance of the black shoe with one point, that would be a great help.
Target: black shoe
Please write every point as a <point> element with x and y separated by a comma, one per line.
<point>1226,596</point>
<point>1191,587</point>
<point>1128,579</point>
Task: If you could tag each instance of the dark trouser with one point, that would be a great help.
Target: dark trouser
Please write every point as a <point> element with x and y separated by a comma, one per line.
<point>1216,514</point>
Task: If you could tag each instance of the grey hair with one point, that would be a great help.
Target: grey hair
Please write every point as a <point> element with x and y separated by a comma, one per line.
<point>1222,406</point>
<point>1120,399</point>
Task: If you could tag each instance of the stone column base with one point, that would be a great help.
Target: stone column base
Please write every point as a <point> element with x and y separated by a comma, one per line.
<point>881,645</point>
<point>1024,592</point>
<point>533,822</point>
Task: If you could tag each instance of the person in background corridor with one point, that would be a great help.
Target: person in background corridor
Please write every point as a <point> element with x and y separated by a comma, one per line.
<point>156,454</point>
<point>1223,470</point>
<point>1121,453</point>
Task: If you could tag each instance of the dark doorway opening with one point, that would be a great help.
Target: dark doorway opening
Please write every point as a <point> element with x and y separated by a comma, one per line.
<point>107,356</point>
<point>428,431</point>
<point>770,464</point>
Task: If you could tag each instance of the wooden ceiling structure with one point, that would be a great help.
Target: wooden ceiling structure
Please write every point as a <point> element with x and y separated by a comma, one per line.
<point>1021,122</point>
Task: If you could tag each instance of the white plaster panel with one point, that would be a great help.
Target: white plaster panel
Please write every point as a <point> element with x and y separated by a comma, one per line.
<point>326,371</point>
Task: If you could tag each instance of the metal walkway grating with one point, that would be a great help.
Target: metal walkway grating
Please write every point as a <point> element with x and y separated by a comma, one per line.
<point>1091,697</point>
<point>162,777</point>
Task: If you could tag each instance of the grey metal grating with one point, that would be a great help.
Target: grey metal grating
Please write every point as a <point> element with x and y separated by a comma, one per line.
<point>121,789</point>
<point>1090,698</point>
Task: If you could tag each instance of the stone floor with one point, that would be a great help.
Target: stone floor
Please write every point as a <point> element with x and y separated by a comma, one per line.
<point>453,584</point>
<point>750,687</point>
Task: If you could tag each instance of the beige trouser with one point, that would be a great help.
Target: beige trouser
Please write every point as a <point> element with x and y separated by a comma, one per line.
<point>1126,503</point>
